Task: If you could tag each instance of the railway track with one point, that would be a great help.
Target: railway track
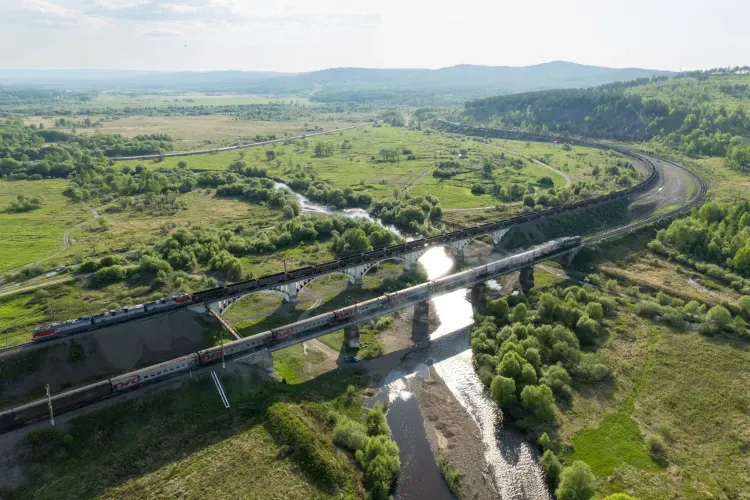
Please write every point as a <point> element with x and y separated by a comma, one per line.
<point>643,157</point>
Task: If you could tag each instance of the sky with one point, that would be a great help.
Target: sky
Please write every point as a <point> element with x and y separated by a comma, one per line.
<point>305,35</point>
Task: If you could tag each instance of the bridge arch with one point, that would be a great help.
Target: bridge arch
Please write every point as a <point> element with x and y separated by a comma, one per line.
<point>301,285</point>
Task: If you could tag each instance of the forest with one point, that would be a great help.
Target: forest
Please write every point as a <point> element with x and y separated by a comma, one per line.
<point>640,110</point>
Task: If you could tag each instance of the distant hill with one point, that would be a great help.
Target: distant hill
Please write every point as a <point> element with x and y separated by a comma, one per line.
<point>699,113</point>
<point>342,83</point>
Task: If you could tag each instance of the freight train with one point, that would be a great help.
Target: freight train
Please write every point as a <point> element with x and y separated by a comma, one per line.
<point>78,397</point>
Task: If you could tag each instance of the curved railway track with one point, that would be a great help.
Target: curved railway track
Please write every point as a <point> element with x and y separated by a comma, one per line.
<point>654,177</point>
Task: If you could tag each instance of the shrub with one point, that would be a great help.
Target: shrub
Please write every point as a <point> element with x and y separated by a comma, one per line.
<point>719,316</point>
<point>350,435</point>
<point>595,311</point>
<point>543,442</point>
<point>576,482</point>
<point>655,446</point>
<point>619,496</point>
<point>376,423</point>
<point>112,274</point>
<point>304,444</point>
<point>452,476</point>
<point>551,466</point>
<point>381,464</point>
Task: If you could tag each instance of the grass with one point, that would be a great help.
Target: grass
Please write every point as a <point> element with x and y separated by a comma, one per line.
<point>683,387</point>
<point>356,167</point>
<point>289,364</point>
<point>201,132</point>
<point>616,441</point>
<point>29,236</point>
<point>184,443</point>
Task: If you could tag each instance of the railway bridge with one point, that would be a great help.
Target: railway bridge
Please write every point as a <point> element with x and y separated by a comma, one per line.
<point>410,256</point>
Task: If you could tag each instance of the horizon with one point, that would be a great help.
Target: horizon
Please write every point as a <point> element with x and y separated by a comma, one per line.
<point>217,35</point>
<point>405,68</point>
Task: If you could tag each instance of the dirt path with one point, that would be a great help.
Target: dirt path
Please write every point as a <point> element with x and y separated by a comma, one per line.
<point>66,244</point>
<point>568,182</point>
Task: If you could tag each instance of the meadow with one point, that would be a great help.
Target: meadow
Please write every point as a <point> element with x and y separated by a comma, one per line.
<point>674,383</point>
<point>36,234</point>
<point>361,167</point>
<point>199,132</point>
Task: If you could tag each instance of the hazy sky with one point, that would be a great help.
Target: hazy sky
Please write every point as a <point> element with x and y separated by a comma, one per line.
<point>301,35</point>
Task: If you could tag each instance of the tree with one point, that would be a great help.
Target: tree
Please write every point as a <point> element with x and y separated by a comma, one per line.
<point>499,308</point>
<point>551,466</point>
<point>539,401</point>
<point>576,482</point>
<point>529,201</point>
<point>520,313</point>
<point>270,155</point>
<point>182,164</point>
<point>503,390</point>
<point>719,316</point>
<point>741,260</point>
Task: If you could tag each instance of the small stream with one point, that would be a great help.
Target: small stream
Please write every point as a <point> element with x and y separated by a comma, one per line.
<point>512,460</point>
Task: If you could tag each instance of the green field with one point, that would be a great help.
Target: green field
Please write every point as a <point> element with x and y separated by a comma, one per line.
<point>205,131</point>
<point>34,235</point>
<point>360,167</point>
<point>687,389</point>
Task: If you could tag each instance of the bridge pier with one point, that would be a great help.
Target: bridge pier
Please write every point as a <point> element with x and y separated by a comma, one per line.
<point>567,258</point>
<point>261,359</point>
<point>290,292</point>
<point>526,279</point>
<point>351,336</point>
<point>479,294</point>
<point>422,311</point>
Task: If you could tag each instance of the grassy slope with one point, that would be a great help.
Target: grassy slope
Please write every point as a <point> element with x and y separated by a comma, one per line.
<point>686,388</point>
<point>208,452</point>
<point>34,235</point>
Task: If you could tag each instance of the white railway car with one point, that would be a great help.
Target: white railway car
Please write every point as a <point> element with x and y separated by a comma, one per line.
<point>153,373</point>
<point>211,354</point>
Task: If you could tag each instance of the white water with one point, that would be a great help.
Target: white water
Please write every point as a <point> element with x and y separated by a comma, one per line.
<point>512,460</point>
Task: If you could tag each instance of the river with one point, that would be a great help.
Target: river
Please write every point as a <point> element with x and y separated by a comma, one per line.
<point>512,461</point>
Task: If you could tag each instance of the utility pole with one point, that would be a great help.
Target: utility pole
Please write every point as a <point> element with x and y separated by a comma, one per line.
<point>221,337</point>
<point>49,403</point>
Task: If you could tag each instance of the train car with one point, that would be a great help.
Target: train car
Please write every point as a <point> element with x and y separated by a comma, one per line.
<point>117,315</point>
<point>242,286</point>
<point>37,410</point>
<point>167,303</point>
<point>152,373</point>
<point>212,354</point>
<point>55,330</point>
<point>301,272</point>
<point>272,279</point>
<point>210,294</point>
<point>303,326</point>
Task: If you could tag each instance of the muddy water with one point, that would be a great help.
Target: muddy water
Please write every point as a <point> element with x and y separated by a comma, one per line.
<point>419,476</point>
